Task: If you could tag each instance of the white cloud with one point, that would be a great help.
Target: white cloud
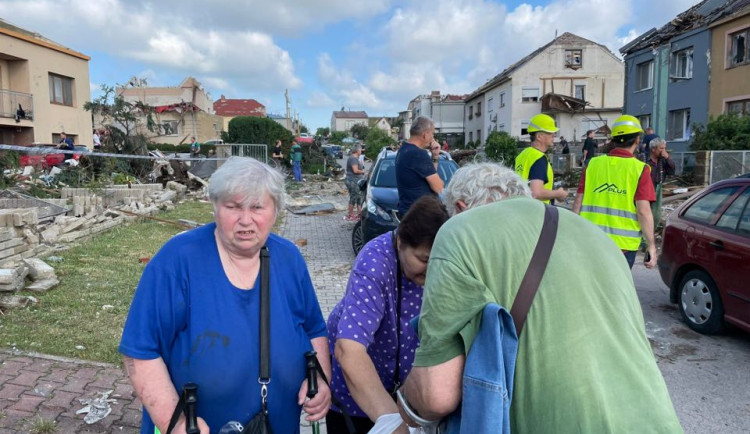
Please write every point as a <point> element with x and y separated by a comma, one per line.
<point>344,86</point>
<point>319,99</point>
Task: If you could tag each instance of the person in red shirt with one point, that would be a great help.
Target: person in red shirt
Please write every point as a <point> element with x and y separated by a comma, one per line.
<point>626,143</point>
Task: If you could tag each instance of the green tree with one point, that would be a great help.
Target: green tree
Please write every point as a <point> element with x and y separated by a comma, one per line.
<point>501,147</point>
<point>337,137</point>
<point>323,132</point>
<point>255,130</point>
<point>727,132</point>
<point>359,131</point>
<point>376,140</point>
<point>303,128</point>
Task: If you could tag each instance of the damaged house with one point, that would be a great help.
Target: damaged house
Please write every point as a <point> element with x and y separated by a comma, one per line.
<point>671,72</point>
<point>576,81</point>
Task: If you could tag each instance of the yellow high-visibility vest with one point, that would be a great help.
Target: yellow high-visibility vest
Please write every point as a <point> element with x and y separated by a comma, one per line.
<point>609,198</point>
<point>526,159</point>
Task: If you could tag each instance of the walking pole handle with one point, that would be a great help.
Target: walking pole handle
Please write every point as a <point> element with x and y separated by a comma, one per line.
<point>312,374</point>
<point>191,402</point>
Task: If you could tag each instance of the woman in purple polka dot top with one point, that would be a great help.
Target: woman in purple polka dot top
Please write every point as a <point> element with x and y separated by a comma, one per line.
<point>368,330</point>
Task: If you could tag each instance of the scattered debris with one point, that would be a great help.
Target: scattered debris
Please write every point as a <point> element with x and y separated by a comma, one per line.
<point>321,208</point>
<point>302,242</point>
<point>97,408</point>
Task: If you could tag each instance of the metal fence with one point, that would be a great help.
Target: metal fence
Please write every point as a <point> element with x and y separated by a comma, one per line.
<point>684,162</point>
<point>563,162</point>
<point>259,152</point>
<point>16,104</point>
<point>728,164</point>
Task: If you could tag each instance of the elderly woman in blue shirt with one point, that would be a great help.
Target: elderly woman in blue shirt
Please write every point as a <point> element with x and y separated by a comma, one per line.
<point>195,314</point>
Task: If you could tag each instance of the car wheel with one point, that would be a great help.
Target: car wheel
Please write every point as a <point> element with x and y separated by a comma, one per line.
<point>358,238</point>
<point>700,303</point>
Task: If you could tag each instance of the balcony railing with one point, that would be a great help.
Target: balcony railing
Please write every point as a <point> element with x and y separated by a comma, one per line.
<point>16,105</point>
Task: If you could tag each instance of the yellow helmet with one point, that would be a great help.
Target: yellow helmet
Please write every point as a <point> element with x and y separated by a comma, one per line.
<point>625,125</point>
<point>542,122</point>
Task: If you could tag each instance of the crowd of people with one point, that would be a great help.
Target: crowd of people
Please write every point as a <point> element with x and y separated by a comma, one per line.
<point>428,331</point>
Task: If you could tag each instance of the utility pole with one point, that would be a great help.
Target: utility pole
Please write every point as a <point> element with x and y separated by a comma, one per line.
<point>288,109</point>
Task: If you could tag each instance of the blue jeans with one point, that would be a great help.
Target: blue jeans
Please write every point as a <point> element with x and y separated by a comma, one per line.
<point>297,166</point>
<point>630,257</point>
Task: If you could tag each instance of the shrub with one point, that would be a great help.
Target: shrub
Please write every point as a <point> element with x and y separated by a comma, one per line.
<point>376,140</point>
<point>727,132</point>
<point>255,130</point>
<point>337,137</point>
<point>469,145</point>
<point>501,147</point>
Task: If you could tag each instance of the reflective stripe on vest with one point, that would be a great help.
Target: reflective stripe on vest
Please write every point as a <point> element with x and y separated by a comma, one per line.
<point>526,159</point>
<point>609,198</point>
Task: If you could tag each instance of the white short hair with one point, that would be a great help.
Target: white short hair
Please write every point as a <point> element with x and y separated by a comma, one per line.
<point>482,183</point>
<point>656,142</point>
<point>248,178</point>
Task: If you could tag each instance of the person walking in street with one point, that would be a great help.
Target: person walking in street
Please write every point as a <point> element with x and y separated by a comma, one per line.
<point>565,147</point>
<point>616,191</point>
<point>416,174</point>
<point>195,148</point>
<point>355,171</point>
<point>369,335</point>
<point>589,148</point>
<point>584,363</point>
<point>277,155</point>
<point>661,167</point>
<point>296,152</point>
<point>532,163</point>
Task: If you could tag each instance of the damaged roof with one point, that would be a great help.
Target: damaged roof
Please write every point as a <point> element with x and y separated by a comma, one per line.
<point>700,15</point>
<point>567,39</point>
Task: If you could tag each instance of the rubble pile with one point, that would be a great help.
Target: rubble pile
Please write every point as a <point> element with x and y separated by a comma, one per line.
<point>31,274</point>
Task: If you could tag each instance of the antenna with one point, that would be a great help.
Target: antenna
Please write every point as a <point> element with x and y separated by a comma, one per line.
<point>555,33</point>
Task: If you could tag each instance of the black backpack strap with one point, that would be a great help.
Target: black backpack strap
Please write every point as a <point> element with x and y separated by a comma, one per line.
<point>535,272</point>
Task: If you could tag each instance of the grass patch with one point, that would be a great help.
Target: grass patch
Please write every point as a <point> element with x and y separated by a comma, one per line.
<point>84,315</point>
<point>39,425</point>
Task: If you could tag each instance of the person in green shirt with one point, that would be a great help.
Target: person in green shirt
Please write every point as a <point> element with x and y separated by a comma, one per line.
<point>296,152</point>
<point>584,364</point>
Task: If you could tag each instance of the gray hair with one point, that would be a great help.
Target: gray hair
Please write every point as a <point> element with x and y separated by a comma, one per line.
<point>421,125</point>
<point>656,142</point>
<point>482,183</point>
<point>248,178</point>
<point>357,148</point>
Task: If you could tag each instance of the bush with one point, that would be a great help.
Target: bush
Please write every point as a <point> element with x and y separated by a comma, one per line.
<point>376,140</point>
<point>728,132</point>
<point>469,145</point>
<point>501,147</point>
<point>337,137</point>
<point>255,130</point>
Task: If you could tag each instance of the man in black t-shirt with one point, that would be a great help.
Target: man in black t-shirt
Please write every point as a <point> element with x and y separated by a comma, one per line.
<point>589,148</point>
<point>416,172</point>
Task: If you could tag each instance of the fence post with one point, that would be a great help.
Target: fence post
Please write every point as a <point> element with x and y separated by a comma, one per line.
<point>703,167</point>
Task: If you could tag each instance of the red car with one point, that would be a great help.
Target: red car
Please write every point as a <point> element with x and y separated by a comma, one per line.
<point>45,161</point>
<point>304,138</point>
<point>705,257</point>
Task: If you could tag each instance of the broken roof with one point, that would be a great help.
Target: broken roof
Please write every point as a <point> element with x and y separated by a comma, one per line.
<point>350,114</point>
<point>567,38</point>
<point>700,15</point>
<point>553,102</point>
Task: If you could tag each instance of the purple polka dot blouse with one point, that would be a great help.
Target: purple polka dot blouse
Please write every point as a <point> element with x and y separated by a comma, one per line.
<point>367,314</point>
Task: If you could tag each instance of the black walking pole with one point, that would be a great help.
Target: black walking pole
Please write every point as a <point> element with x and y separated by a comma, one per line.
<point>312,383</point>
<point>191,414</point>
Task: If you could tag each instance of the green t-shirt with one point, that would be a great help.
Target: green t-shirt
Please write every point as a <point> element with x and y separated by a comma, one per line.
<point>296,152</point>
<point>584,364</point>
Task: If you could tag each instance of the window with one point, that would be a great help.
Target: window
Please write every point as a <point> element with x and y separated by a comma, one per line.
<point>580,91</point>
<point>741,107</point>
<point>471,112</point>
<point>479,137</point>
<point>489,104</point>
<point>502,99</point>
<point>529,94</point>
<point>738,50</point>
<point>479,109</point>
<point>645,121</point>
<point>524,127</point>
<point>471,136</point>
<point>681,67</point>
<point>500,127</point>
<point>170,128</point>
<point>60,90</point>
<point>679,125</point>
<point>644,75</point>
<point>704,210</point>
<point>731,216</point>
<point>573,58</point>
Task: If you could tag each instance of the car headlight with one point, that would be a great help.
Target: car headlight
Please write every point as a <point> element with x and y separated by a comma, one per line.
<point>373,208</point>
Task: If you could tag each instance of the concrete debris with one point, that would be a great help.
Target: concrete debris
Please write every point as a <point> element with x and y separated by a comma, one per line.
<point>96,408</point>
<point>15,301</point>
<point>39,269</point>
<point>43,285</point>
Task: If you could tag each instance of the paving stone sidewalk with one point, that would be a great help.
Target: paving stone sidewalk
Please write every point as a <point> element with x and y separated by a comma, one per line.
<point>36,387</point>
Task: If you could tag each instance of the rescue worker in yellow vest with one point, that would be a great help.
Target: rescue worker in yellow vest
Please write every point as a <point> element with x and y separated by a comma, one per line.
<point>532,163</point>
<point>615,193</point>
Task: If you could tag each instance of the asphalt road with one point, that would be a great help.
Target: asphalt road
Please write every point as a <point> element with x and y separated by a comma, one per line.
<point>708,376</point>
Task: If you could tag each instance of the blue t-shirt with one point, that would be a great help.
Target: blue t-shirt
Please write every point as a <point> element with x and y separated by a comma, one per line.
<point>539,170</point>
<point>413,165</point>
<point>187,312</point>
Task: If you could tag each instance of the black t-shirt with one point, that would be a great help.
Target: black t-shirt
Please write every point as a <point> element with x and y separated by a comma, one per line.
<point>590,146</point>
<point>276,151</point>
<point>413,165</point>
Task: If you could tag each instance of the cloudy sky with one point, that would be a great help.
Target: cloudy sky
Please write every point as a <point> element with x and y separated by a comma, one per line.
<point>373,55</point>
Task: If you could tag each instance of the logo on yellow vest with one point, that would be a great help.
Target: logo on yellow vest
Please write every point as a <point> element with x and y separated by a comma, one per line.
<point>610,188</point>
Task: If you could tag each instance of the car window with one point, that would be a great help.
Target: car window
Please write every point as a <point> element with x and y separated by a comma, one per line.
<point>704,209</point>
<point>731,216</point>
<point>446,169</point>
<point>385,176</point>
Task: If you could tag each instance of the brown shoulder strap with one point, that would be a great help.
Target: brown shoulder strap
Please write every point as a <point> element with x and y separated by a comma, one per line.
<point>535,272</point>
